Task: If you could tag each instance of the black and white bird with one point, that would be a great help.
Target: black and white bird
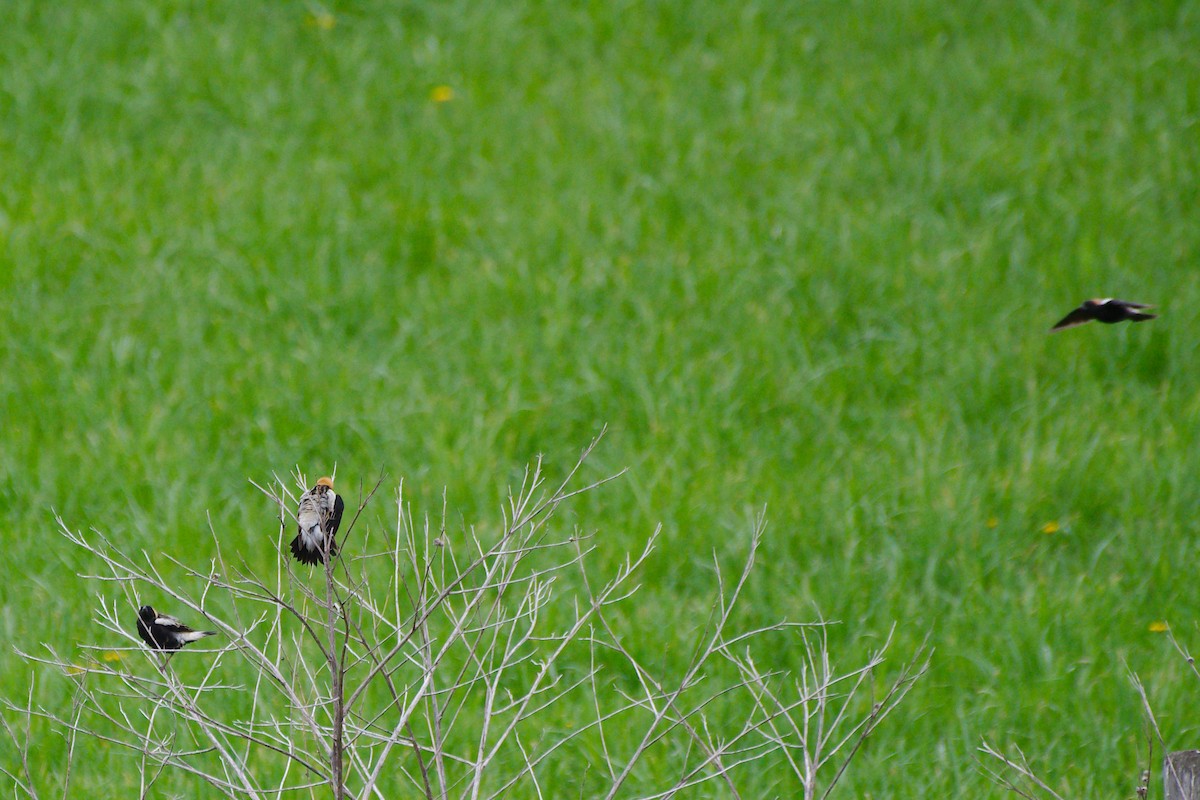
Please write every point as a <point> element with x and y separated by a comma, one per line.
<point>1106,310</point>
<point>319,515</point>
<point>162,632</point>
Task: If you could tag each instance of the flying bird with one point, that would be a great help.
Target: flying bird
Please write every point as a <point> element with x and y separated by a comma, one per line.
<point>319,515</point>
<point>162,632</point>
<point>1105,310</point>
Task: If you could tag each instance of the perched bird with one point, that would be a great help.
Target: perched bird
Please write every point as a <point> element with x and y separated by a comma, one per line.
<point>319,515</point>
<point>1105,310</point>
<point>165,633</point>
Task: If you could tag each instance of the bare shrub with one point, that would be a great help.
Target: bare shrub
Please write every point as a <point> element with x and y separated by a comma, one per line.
<point>471,666</point>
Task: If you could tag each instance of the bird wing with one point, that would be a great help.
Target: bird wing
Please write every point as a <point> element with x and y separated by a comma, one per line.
<point>171,624</point>
<point>335,515</point>
<point>1128,304</point>
<point>1076,317</point>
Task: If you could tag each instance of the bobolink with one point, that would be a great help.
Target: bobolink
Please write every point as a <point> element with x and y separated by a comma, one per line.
<point>319,515</point>
<point>1105,310</point>
<point>162,632</point>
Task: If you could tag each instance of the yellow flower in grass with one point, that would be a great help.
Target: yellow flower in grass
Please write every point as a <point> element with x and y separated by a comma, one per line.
<point>441,94</point>
<point>1050,527</point>
<point>321,20</point>
<point>992,522</point>
<point>112,655</point>
<point>1158,626</point>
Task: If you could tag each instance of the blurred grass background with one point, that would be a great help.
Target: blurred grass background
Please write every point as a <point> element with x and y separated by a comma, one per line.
<point>800,255</point>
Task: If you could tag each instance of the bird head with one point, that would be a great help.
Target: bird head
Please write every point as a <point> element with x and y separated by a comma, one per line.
<point>325,482</point>
<point>1099,301</point>
<point>147,614</point>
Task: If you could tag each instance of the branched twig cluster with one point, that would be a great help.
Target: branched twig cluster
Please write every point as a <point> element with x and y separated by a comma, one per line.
<point>1016,774</point>
<point>1023,781</point>
<point>443,666</point>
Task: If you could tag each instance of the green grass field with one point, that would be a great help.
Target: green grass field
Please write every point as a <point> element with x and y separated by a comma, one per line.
<point>800,255</point>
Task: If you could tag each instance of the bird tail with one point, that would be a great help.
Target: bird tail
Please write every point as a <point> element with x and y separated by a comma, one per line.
<point>1137,316</point>
<point>303,554</point>
<point>310,555</point>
